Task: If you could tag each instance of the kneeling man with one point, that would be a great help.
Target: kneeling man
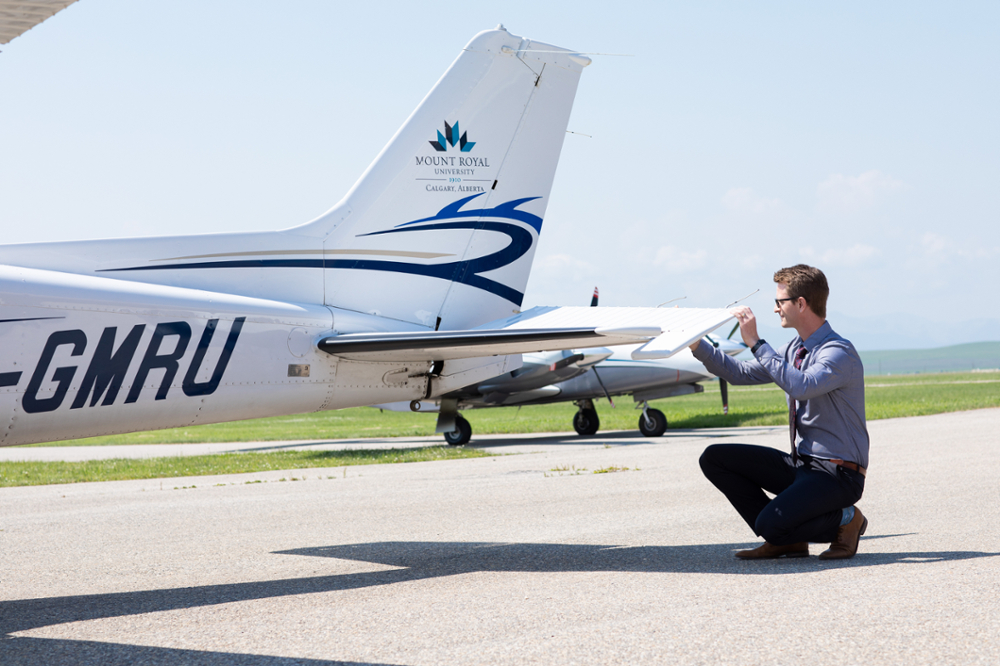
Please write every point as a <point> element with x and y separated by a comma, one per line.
<point>825,471</point>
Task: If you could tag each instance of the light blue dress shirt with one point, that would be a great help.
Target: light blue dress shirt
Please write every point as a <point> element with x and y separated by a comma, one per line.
<point>830,388</point>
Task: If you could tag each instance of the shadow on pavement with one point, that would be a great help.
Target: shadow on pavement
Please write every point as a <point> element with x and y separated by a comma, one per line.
<point>624,437</point>
<point>36,651</point>
<point>434,559</point>
<point>425,560</point>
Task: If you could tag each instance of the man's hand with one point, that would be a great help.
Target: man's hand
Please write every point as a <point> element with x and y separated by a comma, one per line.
<point>748,324</point>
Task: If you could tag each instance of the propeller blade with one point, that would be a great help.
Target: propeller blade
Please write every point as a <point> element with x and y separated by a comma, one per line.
<point>593,299</point>
<point>724,388</point>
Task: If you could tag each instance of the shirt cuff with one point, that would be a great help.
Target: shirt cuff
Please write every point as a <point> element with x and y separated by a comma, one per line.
<point>765,351</point>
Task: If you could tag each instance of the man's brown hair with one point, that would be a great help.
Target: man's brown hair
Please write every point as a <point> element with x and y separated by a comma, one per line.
<point>806,282</point>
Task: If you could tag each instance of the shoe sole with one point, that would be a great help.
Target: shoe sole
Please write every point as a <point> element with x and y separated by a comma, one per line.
<point>774,557</point>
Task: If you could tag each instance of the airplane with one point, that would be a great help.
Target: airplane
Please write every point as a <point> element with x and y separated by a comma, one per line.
<point>581,377</point>
<point>19,17</point>
<point>407,289</point>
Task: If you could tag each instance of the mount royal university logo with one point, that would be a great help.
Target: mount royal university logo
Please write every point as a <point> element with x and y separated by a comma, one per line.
<point>453,137</point>
<point>450,137</point>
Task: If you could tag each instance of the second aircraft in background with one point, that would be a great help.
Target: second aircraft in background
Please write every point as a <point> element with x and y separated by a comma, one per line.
<point>581,377</point>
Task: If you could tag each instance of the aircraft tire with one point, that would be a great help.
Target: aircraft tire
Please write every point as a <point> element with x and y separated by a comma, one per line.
<point>653,423</point>
<point>586,422</point>
<point>462,433</point>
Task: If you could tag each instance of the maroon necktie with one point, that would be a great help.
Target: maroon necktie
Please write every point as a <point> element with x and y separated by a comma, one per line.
<point>793,404</point>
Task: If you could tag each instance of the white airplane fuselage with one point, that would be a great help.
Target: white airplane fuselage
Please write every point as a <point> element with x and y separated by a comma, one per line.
<point>85,356</point>
<point>409,288</point>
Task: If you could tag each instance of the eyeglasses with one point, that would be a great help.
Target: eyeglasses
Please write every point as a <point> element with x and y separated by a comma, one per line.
<point>779,301</point>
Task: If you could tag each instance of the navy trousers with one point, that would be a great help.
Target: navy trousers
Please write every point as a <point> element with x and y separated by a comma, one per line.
<point>809,494</point>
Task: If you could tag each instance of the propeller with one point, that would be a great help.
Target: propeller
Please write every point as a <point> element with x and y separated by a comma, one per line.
<point>723,384</point>
<point>593,299</point>
<point>724,388</point>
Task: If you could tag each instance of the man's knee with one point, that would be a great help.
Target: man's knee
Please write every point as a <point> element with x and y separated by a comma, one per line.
<point>711,459</point>
<point>773,526</point>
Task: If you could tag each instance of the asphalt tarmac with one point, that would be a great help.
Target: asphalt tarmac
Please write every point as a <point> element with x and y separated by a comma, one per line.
<point>513,559</point>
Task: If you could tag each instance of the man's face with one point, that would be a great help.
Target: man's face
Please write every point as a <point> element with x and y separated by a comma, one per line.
<point>787,310</point>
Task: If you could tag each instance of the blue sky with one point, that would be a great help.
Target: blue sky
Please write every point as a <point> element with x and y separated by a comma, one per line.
<point>739,137</point>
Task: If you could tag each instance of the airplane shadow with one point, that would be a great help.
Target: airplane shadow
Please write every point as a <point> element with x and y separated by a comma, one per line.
<point>21,651</point>
<point>425,560</point>
<point>624,437</point>
<point>550,438</point>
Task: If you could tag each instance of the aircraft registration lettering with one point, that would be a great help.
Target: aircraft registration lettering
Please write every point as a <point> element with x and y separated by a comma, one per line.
<point>106,371</point>
<point>62,376</point>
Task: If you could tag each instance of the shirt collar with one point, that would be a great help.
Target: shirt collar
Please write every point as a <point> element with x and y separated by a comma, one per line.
<point>821,334</point>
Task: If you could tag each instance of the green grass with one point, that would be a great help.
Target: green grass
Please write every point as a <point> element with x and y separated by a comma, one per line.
<point>886,397</point>
<point>42,473</point>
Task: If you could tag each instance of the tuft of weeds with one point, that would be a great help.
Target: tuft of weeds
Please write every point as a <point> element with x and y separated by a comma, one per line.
<point>614,468</point>
<point>565,469</point>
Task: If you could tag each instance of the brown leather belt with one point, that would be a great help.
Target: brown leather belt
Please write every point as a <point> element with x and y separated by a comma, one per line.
<point>849,465</point>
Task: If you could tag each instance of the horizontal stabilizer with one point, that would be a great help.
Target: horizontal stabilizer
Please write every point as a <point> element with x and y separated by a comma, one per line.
<point>538,329</point>
<point>447,345</point>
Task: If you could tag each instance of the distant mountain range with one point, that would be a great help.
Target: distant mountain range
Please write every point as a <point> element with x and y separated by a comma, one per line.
<point>956,358</point>
<point>898,331</point>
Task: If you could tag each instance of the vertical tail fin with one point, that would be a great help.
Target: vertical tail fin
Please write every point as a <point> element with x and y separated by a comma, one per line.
<point>442,227</point>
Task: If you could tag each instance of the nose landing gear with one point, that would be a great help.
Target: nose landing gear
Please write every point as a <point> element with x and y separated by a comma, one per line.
<point>585,421</point>
<point>652,422</point>
<point>461,434</point>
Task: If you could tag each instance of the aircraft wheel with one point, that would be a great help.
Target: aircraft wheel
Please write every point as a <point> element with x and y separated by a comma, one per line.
<point>462,433</point>
<point>653,423</point>
<point>585,422</point>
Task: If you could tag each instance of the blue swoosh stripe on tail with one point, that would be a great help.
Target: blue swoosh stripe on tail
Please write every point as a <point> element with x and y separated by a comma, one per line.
<point>464,272</point>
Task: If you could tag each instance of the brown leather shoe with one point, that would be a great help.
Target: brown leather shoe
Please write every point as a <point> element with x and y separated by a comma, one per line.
<point>769,551</point>
<point>848,537</point>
